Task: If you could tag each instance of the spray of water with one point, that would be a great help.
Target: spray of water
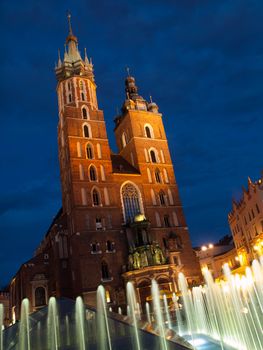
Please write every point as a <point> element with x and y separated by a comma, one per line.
<point>80,324</point>
<point>24,326</point>
<point>103,334</point>
<point>132,303</point>
<point>158,315</point>
<point>53,325</point>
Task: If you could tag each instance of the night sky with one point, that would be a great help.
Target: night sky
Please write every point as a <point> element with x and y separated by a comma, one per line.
<point>202,61</point>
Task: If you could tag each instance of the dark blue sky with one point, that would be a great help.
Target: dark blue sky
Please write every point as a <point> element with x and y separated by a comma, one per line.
<point>202,61</point>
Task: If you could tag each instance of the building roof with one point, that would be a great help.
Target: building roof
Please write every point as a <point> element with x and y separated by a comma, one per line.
<point>121,166</point>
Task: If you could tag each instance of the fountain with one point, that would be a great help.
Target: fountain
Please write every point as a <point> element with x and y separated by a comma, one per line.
<point>53,325</point>
<point>158,315</point>
<point>230,313</point>
<point>103,334</point>
<point>80,328</point>
<point>132,303</point>
<point>24,334</point>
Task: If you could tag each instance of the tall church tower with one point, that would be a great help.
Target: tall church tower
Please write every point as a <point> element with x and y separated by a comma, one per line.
<point>86,177</point>
<point>125,218</point>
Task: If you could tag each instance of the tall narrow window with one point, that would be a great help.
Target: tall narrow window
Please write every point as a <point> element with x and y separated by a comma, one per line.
<point>148,132</point>
<point>86,131</point>
<point>89,151</point>
<point>105,271</point>
<point>69,98</point>
<point>162,198</point>
<point>82,96</point>
<point>85,113</point>
<point>158,176</point>
<point>95,197</point>
<point>92,173</point>
<point>110,246</point>
<point>131,202</point>
<point>153,156</point>
<point>166,221</point>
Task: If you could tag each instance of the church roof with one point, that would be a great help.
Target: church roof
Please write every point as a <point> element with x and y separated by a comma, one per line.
<point>121,166</point>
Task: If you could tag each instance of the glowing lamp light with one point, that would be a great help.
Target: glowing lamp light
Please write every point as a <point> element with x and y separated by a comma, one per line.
<point>210,246</point>
<point>198,342</point>
<point>236,258</point>
<point>256,247</point>
<point>204,248</point>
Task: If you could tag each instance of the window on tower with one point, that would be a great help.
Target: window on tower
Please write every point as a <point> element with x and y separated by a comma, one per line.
<point>148,130</point>
<point>86,131</point>
<point>92,173</point>
<point>89,150</point>
<point>110,247</point>
<point>82,96</point>
<point>158,176</point>
<point>85,113</point>
<point>162,198</point>
<point>166,221</point>
<point>95,197</point>
<point>153,156</point>
<point>105,274</point>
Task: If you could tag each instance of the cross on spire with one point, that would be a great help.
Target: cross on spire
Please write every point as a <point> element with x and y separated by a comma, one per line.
<point>128,71</point>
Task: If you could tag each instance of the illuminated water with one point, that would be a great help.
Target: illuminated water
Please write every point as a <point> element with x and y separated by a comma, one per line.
<point>229,312</point>
<point>216,316</point>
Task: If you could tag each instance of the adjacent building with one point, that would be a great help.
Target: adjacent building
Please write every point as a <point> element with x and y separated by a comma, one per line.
<point>122,218</point>
<point>214,256</point>
<point>246,222</point>
<point>4,300</point>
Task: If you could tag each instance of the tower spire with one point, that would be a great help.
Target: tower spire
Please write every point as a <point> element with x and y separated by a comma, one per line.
<point>69,24</point>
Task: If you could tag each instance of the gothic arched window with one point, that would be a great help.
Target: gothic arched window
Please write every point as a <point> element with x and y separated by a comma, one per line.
<point>153,156</point>
<point>158,176</point>
<point>85,113</point>
<point>86,131</point>
<point>105,270</point>
<point>92,173</point>
<point>40,296</point>
<point>131,202</point>
<point>162,198</point>
<point>89,151</point>
<point>95,197</point>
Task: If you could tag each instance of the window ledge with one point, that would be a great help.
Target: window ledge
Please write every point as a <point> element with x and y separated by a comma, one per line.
<point>98,252</point>
<point>111,251</point>
<point>107,279</point>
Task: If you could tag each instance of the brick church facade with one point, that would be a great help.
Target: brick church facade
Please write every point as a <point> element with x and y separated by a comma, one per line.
<point>121,218</point>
